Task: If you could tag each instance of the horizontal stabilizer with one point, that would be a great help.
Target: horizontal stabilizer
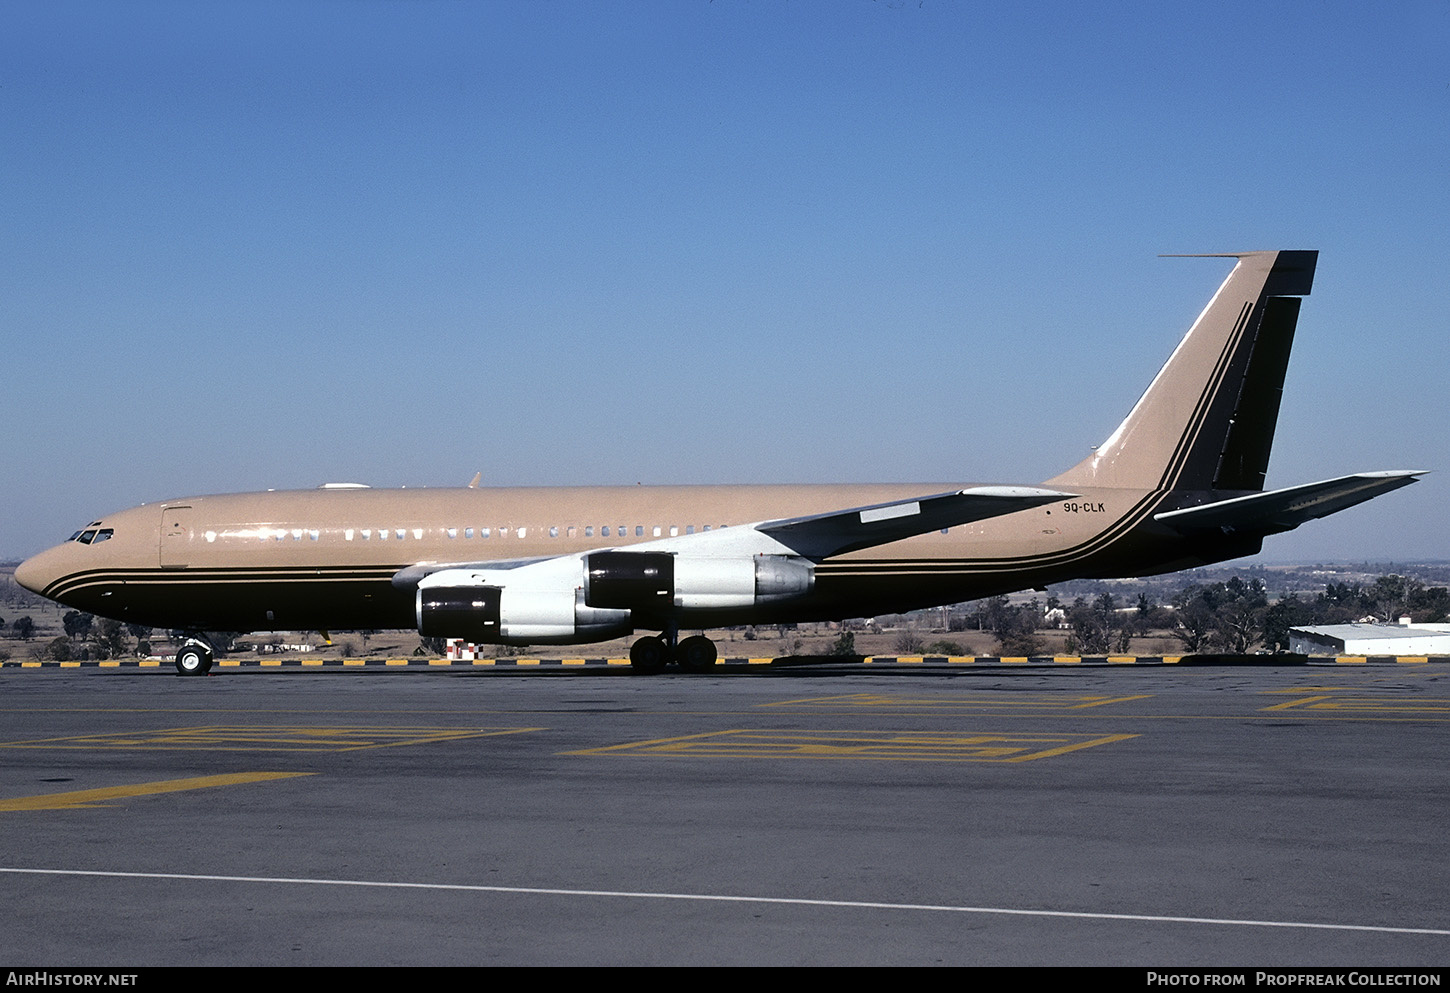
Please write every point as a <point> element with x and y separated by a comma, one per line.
<point>1284,510</point>
<point>838,532</point>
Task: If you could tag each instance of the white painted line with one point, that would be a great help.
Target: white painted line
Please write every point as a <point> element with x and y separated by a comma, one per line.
<point>724,898</point>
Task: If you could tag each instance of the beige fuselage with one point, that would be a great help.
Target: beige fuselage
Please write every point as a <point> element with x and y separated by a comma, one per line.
<point>325,559</point>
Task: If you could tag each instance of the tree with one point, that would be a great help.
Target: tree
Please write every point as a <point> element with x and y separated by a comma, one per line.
<point>1014,627</point>
<point>111,639</point>
<point>1192,619</point>
<point>77,624</point>
<point>1241,611</point>
<point>1289,612</point>
<point>1096,627</point>
<point>908,642</point>
<point>1227,615</point>
<point>24,628</point>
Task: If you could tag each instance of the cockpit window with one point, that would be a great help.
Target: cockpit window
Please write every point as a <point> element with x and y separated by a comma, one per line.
<point>91,535</point>
<point>86,536</point>
<point>102,535</point>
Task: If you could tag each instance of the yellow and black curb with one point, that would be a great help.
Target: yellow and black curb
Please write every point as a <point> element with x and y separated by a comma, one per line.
<point>726,665</point>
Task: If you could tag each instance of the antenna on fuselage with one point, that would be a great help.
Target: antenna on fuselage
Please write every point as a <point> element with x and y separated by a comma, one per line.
<point>477,478</point>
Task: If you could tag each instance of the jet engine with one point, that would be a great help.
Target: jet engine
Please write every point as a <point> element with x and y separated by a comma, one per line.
<point>503,614</point>
<point>658,581</point>
<point>600,595</point>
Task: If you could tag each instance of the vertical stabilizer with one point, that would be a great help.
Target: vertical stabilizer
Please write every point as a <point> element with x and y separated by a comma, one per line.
<point>1207,420</point>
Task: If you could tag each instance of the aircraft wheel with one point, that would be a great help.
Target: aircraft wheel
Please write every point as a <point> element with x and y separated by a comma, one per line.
<point>697,654</point>
<point>649,655</point>
<point>193,660</point>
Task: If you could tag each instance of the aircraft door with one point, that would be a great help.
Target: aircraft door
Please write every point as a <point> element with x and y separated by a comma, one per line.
<point>175,537</point>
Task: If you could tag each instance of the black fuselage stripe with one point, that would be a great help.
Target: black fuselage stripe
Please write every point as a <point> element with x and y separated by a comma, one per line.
<point>1186,441</point>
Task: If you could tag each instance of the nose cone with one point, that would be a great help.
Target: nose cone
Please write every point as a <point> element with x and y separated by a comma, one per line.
<point>38,572</point>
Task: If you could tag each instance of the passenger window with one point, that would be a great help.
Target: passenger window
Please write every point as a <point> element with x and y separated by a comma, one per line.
<point>657,531</point>
<point>674,530</point>
<point>589,531</point>
<point>554,531</point>
<point>604,531</point>
<point>689,529</point>
<point>639,530</point>
<point>523,532</point>
<point>468,532</point>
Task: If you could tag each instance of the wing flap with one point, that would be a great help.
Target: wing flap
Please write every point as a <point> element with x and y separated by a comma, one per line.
<point>1286,509</point>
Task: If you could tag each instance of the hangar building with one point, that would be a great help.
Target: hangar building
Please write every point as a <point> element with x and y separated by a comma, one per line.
<point>1371,639</point>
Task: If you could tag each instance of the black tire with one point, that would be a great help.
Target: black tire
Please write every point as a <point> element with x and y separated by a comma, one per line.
<point>697,654</point>
<point>193,660</point>
<point>649,655</point>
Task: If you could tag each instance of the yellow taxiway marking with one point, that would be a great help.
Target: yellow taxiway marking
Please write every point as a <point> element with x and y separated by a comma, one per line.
<point>910,746</point>
<point>1347,705</point>
<point>904,702</point>
<point>83,799</point>
<point>268,738</point>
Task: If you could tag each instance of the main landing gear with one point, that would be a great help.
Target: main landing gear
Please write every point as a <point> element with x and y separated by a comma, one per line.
<point>195,657</point>
<point>651,655</point>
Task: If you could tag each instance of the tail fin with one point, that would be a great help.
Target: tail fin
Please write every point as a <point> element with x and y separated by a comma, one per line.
<point>1207,420</point>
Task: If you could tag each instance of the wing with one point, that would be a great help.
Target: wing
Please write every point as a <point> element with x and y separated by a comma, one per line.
<point>407,578</point>
<point>1284,510</point>
<point>816,536</point>
<point>820,536</point>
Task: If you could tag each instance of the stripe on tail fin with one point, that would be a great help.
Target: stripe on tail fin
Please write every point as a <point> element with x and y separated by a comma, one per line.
<point>1207,420</point>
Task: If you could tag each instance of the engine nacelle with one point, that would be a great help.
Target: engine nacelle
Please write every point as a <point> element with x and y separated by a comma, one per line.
<point>652,582</point>
<point>503,614</point>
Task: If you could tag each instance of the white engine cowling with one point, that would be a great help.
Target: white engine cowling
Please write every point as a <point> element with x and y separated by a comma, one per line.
<point>658,581</point>
<point>540,604</point>
<point>599,595</point>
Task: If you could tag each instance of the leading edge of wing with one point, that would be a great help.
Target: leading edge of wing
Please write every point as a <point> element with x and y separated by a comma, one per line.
<point>1284,510</point>
<point>409,577</point>
<point>820,536</point>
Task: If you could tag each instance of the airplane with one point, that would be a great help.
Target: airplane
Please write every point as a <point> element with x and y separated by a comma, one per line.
<point>1180,483</point>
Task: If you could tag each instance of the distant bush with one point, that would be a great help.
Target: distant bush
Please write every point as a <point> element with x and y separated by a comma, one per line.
<point>945,647</point>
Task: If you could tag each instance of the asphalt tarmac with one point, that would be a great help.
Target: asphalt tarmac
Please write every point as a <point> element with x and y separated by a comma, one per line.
<point>1034,815</point>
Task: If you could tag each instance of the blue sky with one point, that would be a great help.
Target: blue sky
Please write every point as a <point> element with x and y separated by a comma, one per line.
<point>261,245</point>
